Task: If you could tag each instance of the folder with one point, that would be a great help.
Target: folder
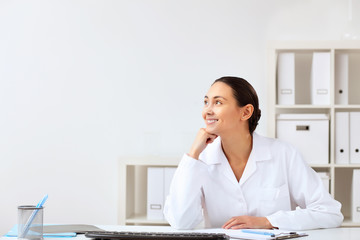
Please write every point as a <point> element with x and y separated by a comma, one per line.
<point>168,176</point>
<point>342,146</point>
<point>341,78</point>
<point>286,78</point>
<point>155,193</point>
<point>355,198</point>
<point>255,234</point>
<point>320,78</point>
<point>354,137</point>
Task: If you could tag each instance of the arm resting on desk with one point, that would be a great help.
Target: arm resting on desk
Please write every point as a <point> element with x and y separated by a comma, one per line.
<point>183,209</point>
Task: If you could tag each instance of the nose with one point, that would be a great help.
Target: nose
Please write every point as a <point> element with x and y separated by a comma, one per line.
<point>209,110</point>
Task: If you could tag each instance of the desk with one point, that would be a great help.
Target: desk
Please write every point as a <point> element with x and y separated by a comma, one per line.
<point>321,234</point>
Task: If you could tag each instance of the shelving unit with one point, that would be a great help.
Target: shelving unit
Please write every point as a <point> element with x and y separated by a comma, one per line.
<point>340,175</point>
<point>133,188</point>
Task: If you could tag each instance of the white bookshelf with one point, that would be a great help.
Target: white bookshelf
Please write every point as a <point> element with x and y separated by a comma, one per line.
<point>340,175</point>
<point>133,188</point>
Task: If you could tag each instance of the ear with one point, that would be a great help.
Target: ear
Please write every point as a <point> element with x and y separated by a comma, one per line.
<point>247,112</point>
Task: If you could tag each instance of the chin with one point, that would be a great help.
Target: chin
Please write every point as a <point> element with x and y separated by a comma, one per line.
<point>211,131</point>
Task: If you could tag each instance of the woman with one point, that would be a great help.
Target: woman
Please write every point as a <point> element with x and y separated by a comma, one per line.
<point>234,178</point>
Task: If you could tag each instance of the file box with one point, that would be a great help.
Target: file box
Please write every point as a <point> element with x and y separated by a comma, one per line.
<point>309,133</point>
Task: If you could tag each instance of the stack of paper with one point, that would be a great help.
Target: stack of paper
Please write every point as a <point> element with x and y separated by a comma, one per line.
<point>253,234</point>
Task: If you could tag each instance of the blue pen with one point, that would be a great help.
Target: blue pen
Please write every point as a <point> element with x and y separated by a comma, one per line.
<point>31,218</point>
<point>258,232</point>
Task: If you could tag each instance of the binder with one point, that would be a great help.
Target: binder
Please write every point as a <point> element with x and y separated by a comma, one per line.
<point>354,137</point>
<point>342,146</point>
<point>355,198</point>
<point>286,78</point>
<point>320,78</point>
<point>155,193</point>
<point>168,176</point>
<point>159,180</point>
<point>341,78</point>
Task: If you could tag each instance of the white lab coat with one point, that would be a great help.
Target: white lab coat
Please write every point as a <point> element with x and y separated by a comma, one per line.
<point>276,184</point>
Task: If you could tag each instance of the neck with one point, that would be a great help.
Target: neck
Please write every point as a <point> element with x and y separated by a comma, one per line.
<point>237,147</point>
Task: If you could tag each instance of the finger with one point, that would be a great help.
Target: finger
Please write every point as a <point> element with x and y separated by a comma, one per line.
<point>239,222</point>
<point>240,226</point>
<point>231,222</point>
<point>211,138</point>
<point>199,143</point>
<point>227,223</point>
<point>207,133</point>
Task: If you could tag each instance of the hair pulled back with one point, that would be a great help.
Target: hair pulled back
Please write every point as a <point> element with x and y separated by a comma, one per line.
<point>244,94</point>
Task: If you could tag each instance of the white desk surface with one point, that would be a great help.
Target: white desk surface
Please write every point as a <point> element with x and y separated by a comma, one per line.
<point>320,234</point>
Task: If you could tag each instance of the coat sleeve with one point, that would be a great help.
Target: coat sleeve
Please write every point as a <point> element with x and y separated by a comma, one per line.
<point>315,207</point>
<point>183,206</point>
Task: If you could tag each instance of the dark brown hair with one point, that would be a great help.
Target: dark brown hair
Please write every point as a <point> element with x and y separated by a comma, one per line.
<point>244,94</point>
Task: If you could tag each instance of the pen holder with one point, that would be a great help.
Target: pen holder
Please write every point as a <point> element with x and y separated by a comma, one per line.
<point>30,222</point>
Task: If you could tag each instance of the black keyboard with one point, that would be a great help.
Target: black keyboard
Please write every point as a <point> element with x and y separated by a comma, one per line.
<point>156,235</point>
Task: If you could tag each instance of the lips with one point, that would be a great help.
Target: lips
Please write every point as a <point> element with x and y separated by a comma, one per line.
<point>210,121</point>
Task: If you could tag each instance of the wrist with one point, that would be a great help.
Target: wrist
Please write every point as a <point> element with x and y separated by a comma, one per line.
<point>194,155</point>
<point>267,223</point>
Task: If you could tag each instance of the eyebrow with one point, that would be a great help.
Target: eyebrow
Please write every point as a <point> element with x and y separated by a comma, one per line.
<point>216,97</point>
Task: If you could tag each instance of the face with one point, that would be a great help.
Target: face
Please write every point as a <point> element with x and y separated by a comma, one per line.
<point>221,112</point>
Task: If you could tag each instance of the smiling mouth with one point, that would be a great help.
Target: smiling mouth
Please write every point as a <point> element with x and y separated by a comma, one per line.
<point>211,121</point>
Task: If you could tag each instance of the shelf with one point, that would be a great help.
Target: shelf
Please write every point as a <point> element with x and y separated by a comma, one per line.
<point>348,223</point>
<point>308,106</point>
<point>340,174</point>
<point>320,165</point>
<point>303,106</point>
<point>140,219</point>
<point>350,106</point>
<point>150,161</point>
<point>352,166</point>
<point>133,188</point>
<point>314,45</point>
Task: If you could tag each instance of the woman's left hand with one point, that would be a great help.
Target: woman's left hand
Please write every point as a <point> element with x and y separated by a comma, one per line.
<point>241,222</point>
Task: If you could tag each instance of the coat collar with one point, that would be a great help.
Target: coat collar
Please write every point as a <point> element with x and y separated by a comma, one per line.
<point>215,155</point>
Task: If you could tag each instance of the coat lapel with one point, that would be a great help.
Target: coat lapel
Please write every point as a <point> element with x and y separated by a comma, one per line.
<point>260,152</point>
<point>215,155</point>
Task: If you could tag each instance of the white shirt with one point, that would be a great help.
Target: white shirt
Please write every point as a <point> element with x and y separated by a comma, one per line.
<point>276,184</point>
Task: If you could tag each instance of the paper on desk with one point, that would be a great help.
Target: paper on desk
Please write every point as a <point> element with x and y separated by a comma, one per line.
<point>238,234</point>
<point>62,228</point>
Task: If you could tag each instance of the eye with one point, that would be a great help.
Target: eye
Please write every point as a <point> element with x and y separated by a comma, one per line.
<point>218,102</point>
<point>205,102</point>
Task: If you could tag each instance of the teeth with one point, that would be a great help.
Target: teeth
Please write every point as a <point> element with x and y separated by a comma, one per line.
<point>211,121</point>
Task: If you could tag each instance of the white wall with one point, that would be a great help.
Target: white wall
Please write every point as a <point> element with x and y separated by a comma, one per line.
<point>84,82</point>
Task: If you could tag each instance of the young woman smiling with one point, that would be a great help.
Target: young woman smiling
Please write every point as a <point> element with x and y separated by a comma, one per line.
<point>235,178</point>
